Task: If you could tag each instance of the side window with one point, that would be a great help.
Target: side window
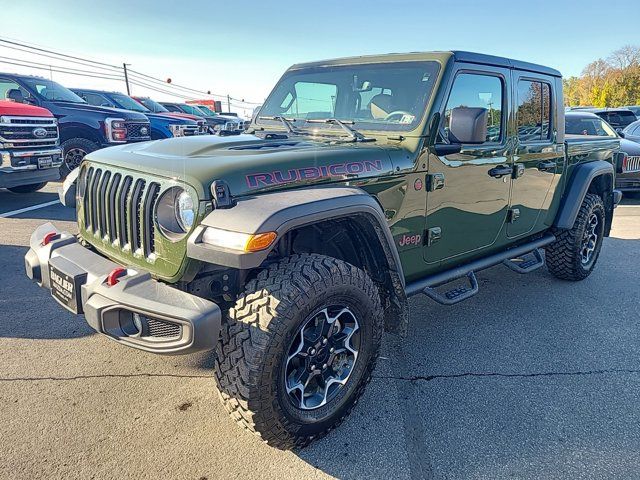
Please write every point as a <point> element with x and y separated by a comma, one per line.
<point>534,111</point>
<point>313,100</point>
<point>479,91</point>
<point>96,99</point>
<point>8,85</point>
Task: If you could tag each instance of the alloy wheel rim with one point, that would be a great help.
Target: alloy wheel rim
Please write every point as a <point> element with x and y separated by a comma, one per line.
<point>322,357</point>
<point>73,157</point>
<point>590,239</point>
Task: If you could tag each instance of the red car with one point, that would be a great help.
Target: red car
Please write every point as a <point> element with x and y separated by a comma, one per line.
<point>155,107</point>
<point>30,154</point>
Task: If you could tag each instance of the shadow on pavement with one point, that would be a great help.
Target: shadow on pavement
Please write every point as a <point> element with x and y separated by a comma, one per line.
<point>28,311</point>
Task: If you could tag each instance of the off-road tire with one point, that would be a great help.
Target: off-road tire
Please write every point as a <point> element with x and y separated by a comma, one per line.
<point>563,256</point>
<point>80,144</point>
<point>32,187</point>
<point>259,329</point>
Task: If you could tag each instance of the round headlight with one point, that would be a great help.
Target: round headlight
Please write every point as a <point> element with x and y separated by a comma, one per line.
<point>185,212</point>
<point>175,213</point>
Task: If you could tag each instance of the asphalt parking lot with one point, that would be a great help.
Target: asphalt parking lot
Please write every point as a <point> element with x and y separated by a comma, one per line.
<point>533,378</point>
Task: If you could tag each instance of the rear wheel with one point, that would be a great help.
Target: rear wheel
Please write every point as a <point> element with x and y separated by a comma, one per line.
<point>298,348</point>
<point>575,252</point>
<point>74,150</point>
<point>33,187</point>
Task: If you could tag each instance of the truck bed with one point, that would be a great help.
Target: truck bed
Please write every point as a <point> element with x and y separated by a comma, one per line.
<point>588,148</point>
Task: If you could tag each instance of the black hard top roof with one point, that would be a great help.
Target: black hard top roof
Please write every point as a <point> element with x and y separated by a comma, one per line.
<point>483,59</point>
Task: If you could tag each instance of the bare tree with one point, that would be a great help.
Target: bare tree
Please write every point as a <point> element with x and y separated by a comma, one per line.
<point>625,57</point>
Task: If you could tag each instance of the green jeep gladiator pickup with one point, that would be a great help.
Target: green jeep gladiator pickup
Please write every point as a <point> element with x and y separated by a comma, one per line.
<point>292,247</point>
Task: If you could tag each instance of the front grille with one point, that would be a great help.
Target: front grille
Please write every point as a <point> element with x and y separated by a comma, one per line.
<point>119,208</point>
<point>191,130</point>
<point>158,328</point>
<point>631,164</point>
<point>138,131</point>
<point>202,127</point>
<point>29,132</point>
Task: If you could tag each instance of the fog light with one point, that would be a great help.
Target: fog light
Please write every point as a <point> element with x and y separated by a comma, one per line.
<point>137,322</point>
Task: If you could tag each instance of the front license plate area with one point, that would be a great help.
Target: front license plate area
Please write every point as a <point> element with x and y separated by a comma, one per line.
<point>65,286</point>
<point>45,162</point>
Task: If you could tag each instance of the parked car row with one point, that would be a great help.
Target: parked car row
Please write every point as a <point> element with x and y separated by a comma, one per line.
<point>84,120</point>
<point>613,123</point>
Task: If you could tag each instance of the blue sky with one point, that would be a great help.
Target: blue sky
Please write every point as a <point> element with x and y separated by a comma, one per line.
<point>241,48</point>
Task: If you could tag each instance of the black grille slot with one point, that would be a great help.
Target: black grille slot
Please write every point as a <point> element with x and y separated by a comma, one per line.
<point>93,211</point>
<point>87,196</point>
<point>113,189</point>
<point>157,328</point>
<point>134,214</point>
<point>147,217</point>
<point>123,233</point>
<point>102,204</point>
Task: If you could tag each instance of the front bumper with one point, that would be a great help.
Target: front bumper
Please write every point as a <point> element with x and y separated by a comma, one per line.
<point>26,167</point>
<point>137,311</point>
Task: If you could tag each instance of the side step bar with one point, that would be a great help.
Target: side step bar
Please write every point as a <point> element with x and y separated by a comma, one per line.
<point>512,258</point>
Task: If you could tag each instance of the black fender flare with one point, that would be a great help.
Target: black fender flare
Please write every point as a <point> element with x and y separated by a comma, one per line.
<point>284,211</point>
<point>577,188</point>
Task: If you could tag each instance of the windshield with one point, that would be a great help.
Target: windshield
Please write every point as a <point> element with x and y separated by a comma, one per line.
<point>127,103</point>
<point>207,110</point>
<point>589,126</point>
<point>50,90</point>
<point>382,96</point>
<point>153,105</point>
<point>192,110</point>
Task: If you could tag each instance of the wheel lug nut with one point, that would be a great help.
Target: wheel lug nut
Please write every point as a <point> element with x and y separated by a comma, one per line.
<point>313,367</point>
<point>324,341</point>
<point>313,351</point>
<point>324,366</point>
<point>331,350</point>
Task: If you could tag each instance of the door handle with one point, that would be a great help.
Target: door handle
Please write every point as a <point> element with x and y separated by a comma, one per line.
<point>501,171</point>
<point>549,166</point>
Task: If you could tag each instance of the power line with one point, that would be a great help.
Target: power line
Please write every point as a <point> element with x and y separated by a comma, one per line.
<point>114,69</point>
<point>56,53</point>
<point>51,69</point>
<point>114,76</point>
<point>157,80</point>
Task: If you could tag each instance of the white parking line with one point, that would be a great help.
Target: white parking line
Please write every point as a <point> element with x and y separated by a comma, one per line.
<point>28,209</point>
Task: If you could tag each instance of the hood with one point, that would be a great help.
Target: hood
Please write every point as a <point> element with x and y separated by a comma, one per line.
<point>630,148</point>
<point>107,111</point>
<point>22,110</point>
<point>160,117</point>
<point>248,163</point>
<point>188,116</point>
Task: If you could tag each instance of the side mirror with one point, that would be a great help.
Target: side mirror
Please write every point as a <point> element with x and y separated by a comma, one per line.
<point>621,134</point>
<point>15,95</point>
<point>468,125</point>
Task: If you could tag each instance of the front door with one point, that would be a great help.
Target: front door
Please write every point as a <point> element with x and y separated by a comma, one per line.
<point>469,212</point>
<point>537,154</point>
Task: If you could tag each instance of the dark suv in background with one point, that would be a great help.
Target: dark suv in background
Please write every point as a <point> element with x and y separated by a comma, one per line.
<point>162,126</point>
<point>83,127</point>
<point>217,122</point>
<point>618,118</point>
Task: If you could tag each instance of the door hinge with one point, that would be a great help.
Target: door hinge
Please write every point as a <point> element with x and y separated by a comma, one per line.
<point>435,181</point>
<point>434,234</point>
<point>513,215</point>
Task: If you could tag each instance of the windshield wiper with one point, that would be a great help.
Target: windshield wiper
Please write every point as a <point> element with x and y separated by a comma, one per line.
<point>353,133</point>
<point>285,121</point>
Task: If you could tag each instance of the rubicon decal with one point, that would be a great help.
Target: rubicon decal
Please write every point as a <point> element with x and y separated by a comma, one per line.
<point>279,177</point>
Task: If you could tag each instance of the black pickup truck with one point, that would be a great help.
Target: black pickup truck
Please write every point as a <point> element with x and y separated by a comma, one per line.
<point>83,127</point>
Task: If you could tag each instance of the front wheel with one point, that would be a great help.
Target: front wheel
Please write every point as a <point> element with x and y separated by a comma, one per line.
<point>74,150</point>
<point>298,348</point>
<point>575,252</point>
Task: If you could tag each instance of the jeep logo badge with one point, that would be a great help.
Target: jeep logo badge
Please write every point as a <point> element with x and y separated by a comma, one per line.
<point>39,132</point>
<point>144,131</point>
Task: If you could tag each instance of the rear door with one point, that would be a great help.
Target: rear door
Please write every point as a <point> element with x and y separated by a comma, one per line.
<point>538,158</point>
<point>467,214</point>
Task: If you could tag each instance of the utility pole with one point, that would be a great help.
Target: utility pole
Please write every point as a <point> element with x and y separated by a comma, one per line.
<point>228,104</point>
<point>126,77</point>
